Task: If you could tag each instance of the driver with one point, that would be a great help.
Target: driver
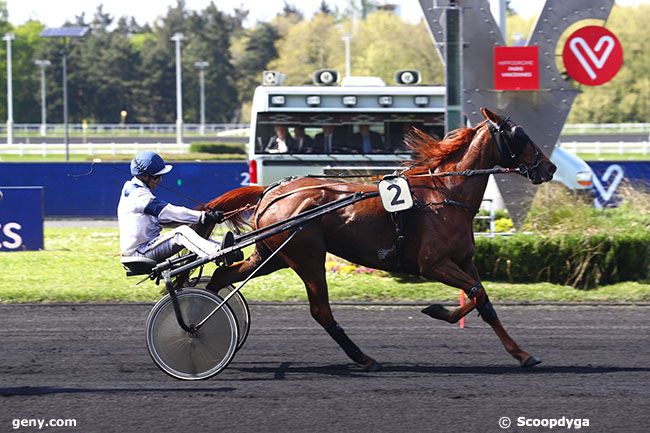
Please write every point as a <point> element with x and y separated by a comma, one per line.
<point>140,214</point>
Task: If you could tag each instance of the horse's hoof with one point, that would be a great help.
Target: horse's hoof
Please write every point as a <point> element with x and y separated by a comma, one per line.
<point>531,361</point>
<point>437,311</point>
<point>372,366</point>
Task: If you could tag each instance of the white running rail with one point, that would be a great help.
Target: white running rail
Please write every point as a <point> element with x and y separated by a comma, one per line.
<point>609,148</point>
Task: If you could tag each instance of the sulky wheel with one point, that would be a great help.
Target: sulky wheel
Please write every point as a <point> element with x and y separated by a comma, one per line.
<point>237,304</point>
<point>192,356</point>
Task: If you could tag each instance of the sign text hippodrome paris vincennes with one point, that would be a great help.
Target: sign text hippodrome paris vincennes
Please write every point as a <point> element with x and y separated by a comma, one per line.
<point>516,68</point>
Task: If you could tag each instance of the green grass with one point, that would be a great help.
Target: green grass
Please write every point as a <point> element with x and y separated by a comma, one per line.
<point>556,210</point>
<point>568,129</point>
<point>82,265</point>
<point>614,157</point>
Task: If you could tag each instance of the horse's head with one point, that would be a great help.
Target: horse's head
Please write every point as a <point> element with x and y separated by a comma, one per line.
<point>516,149</point>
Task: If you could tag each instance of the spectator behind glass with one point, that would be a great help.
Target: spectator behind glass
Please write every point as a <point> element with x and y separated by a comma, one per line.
<point>367,141</point>
<point>281,142</point>
<point>327,141</point>
<point>304,143</point>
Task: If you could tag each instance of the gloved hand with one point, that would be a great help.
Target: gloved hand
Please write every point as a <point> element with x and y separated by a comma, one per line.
<point>212,216</point>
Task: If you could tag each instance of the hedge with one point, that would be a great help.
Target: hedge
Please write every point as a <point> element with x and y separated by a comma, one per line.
<point>208,147</point>
<point>582,261</point>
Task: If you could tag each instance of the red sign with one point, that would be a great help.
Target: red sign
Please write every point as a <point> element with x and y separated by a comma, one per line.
<point>516,68</point>
<point>592,55</point>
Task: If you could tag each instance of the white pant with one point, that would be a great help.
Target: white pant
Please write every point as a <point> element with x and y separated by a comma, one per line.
<point>170,243</point>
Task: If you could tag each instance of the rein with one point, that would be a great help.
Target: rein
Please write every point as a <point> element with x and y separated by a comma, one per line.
<point>469,173</point>
<point>173,191</point>
<point>464,173</point>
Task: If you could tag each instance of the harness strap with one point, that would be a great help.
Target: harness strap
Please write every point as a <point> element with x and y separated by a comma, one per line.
<point>500,137</point>
<point>293,191</point>
<point>399,218</point>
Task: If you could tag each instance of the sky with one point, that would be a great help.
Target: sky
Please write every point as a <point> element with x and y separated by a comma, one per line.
<point>54,13</point>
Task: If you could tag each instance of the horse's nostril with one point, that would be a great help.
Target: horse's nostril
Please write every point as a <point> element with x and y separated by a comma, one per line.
<point>552,168</point>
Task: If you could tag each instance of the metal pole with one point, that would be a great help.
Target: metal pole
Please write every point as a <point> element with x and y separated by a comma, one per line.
<point>500,15</point>
<point>202,66</point>
<point>453,61</point>
<point>66,139</point>
<point>10,104</point>
<point>42,64</point>
<point>348,68</point>
<point>177,38</point>
<point>202,85</point>
<point>43,110</point>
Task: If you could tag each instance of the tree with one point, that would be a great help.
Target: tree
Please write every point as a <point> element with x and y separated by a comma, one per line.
<point>26,75</point>
<point>518,27</point>
<point>258,51</point>
<point>210,40</point>
<point>377,48</point>
<point>361,8</point>
<point>625,98</point>
<point>308,46</point>
<point>104,74</point>
<point>289,9</point>
<point>324,8</point>
<point>384,44</point>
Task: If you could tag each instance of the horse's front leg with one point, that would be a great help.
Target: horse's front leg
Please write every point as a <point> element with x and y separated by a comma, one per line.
<point>450,273</point>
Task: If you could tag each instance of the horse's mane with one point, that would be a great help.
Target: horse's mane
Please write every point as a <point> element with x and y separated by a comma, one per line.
<point>431,152</point>
<point>234,203</point>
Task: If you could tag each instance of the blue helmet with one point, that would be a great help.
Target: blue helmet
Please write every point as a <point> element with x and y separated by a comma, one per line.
<point>149,163</point>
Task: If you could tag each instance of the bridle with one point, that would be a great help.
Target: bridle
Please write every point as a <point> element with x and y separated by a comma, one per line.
<point>511,140</point>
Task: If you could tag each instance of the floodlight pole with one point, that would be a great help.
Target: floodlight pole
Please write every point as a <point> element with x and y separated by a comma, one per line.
<point>177,38</point>
<point>65,33</point>
<point>201,67</point>
<point>65,101</point>
<point>10,105</point>
<point>42,64</point>
<point>348,67</point>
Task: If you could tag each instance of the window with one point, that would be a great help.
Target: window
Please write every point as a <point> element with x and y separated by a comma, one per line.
<point>340,133</point>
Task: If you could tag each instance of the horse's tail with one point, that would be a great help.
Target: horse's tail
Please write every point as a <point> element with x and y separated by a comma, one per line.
<point>236,204</point>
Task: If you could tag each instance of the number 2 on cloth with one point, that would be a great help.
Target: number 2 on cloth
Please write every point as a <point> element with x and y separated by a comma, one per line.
<point>395,194</point>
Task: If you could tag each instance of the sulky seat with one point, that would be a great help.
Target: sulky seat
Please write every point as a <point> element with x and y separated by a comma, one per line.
<point>137,265</point>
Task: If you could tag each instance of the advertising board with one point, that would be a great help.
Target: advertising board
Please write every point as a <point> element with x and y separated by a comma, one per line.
<point>21,218</point>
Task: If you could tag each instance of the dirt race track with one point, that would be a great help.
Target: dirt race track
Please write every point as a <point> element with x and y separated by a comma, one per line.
<point>90,363</point>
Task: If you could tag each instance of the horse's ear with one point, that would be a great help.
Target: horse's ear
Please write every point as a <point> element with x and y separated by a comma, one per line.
<point>491,116</point>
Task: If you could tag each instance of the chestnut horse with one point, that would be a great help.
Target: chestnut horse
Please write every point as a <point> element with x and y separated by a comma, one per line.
<point>439,240</point>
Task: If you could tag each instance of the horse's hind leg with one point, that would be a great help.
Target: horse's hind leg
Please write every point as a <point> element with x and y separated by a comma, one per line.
<point>451,274</point>
<point>320,309</point>
<point>226,275</point>
<point>307,259</point>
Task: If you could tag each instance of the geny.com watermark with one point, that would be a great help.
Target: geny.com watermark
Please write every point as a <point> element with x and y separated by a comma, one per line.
<point>549,423</point>
<point>40,423</point>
